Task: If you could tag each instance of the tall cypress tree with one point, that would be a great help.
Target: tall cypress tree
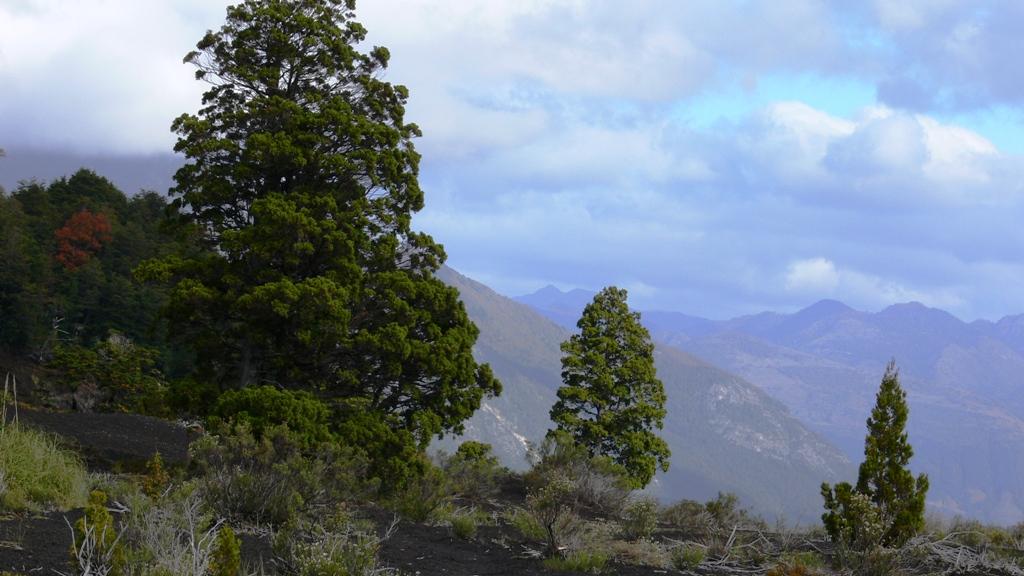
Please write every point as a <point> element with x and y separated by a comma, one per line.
<point>884,478</point>
<point>611,400</point>
<point>301,181</point>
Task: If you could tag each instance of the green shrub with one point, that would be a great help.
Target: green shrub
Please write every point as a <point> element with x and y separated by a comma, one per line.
<point>688,557</point>
<point>553,507</point>
<point>192,396</point>
<point>395,457</point>
<point>337,546</point>
<point>853,520</point>
<point>97,542</point>
<point>689,516</point>
<point>274,479</point>
<point>597,483</point>
<point>227,553</point>
<point>156,479</point>
<point>37,472</point>
<point>644,552</point>
<point>640,519</point>
<point>423,496</point>
<point>263,407</point>
<point>122,375</point>
<point>474,472</point>
<point>526,523</point>
<point>464,525</point>
<point>175,537</point>
<point>798,564</point>
<point>581,561</point>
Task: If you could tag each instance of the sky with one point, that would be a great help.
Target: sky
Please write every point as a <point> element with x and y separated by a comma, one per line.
<point>714,157</point>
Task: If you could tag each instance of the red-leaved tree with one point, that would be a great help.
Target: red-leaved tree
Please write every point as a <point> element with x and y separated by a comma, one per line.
<point>82,236</point>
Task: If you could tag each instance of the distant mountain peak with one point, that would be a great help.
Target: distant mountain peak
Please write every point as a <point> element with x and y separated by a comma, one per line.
<point>915,309</point>
<point>826,307</point>
<point>549,290</point>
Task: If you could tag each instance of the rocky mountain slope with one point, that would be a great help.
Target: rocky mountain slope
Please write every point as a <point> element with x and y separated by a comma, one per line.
<point>725,434</point>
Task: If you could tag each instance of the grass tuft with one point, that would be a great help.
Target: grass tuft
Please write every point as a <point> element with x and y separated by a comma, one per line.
<point>38,472</point>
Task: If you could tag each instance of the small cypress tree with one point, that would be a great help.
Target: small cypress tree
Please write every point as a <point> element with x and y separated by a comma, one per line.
<point>898,497</point>
<point>612,400</point>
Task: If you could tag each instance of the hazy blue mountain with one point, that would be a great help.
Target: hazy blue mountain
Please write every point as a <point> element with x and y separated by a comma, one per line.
<point>725,434</point>
<point>564,308</point>
<point>965,385</point>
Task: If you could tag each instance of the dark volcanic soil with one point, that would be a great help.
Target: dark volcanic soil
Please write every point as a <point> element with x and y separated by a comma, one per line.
<point>33,544</point>
<point>109,440</point>
<point>41,543</point>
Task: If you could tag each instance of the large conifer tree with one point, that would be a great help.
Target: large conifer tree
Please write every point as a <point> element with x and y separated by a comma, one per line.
<point>301,180</point>
<point>611,400</point>
<point>884,479</point>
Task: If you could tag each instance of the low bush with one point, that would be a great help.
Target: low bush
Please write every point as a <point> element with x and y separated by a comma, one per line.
<point>589,562</point>
<point>156,479</point>
<point>691,517</point>
<point>554,508</point>
<point>474,472</point>
<point>526,523</point>
<point>96,546</point>
<point>395,457</point>
<point>640,519</point>
<point>114,374</point>
<point>274,480</point>
<point>37,472</point>
<point>688,557</point>
<point>802,564</point>
<point>464,525</point>
<point>713,518</point>
<point>177,537</point>
<point>338,545</point>
<point>424,497</point>
<point>227,553</point>
<point>641,553</point>
<point>596,483</point>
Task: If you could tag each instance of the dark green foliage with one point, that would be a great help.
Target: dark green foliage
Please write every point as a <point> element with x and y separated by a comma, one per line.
<point>114,373</point>
<point>192,396</point>
<point>423,494</point>
<point>263,407</point>
<point>302,176</point>
<point>896,498</point>
<point>274,479</point>
<point>395,458</point>
<point>612,401</point>
<point>44,303</point>
<point>474,472</point>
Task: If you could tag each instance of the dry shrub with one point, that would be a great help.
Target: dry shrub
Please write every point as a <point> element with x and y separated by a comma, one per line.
<point>274,479</point>
<point>596,483</point>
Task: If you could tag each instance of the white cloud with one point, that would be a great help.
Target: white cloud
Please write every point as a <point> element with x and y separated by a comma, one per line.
<point>98,76</point>
<point>816,275</point>
<point>820,277</point>
<point>910,14</point>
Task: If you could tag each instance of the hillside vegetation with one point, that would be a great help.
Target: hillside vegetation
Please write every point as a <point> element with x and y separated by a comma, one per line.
<point>253,373</point>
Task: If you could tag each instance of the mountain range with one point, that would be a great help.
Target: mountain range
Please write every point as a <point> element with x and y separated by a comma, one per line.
<point>964,383</point>
<point>725,434</point>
